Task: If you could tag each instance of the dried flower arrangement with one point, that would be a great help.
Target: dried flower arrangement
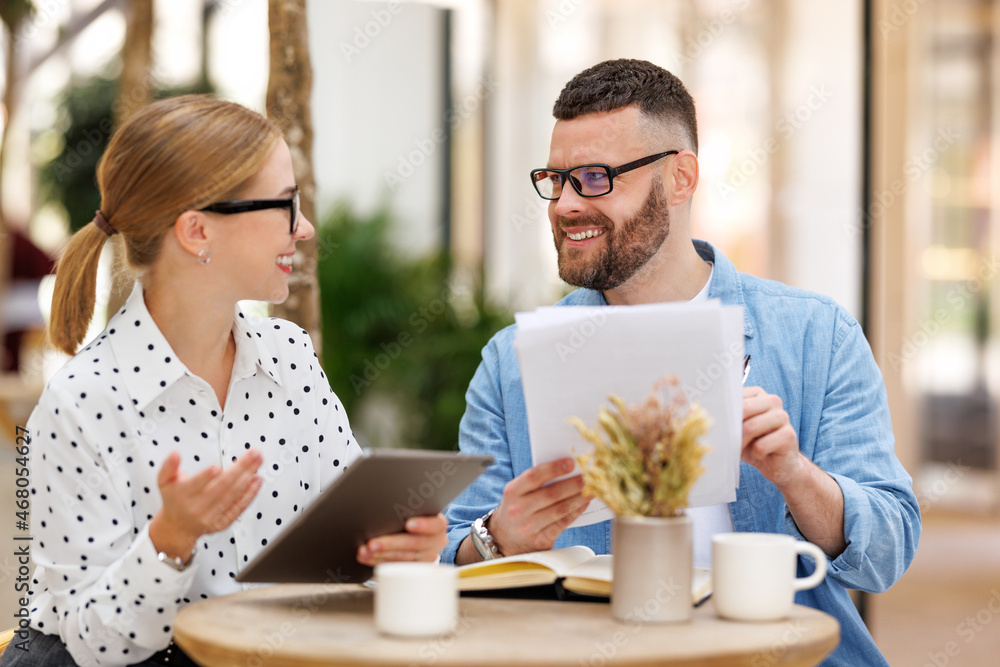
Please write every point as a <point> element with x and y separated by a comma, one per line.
<point>652,455</point>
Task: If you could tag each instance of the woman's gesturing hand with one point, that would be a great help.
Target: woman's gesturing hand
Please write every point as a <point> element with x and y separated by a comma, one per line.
<point>204,503</point>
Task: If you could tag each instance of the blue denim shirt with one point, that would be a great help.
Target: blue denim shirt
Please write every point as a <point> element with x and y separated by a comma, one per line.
<point>810,352</point>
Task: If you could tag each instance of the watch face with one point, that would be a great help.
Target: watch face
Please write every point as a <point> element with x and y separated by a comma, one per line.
<point>477,540</point>
<point>173,561</point>
<point>482,540</point>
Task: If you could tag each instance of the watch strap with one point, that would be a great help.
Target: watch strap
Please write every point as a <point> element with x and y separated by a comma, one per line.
<point>176,562</point>
<point>482,540</point>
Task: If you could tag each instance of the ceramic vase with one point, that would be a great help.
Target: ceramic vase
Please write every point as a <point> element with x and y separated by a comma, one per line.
<point>652,569</point>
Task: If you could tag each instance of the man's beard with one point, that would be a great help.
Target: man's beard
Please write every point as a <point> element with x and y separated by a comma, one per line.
<point>627,247</point>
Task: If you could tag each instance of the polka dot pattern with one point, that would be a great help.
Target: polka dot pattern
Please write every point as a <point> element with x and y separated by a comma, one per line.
<point>108,419</point>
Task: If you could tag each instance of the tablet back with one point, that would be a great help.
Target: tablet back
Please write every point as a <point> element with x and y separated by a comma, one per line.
<point>374,496</point>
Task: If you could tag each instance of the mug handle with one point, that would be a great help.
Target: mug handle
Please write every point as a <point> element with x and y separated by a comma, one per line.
<point>814,579</point>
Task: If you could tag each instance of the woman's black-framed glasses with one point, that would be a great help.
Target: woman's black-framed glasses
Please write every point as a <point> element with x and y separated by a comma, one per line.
<point>589,180</point>
<point>293,204</point>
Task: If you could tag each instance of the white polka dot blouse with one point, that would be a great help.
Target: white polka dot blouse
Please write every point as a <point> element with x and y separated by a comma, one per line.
<point>101,430</point>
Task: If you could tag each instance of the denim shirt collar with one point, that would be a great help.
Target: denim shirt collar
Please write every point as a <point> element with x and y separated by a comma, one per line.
<point>727,286</point>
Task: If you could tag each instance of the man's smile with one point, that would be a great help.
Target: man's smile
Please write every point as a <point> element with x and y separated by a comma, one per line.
<point>578,234</point>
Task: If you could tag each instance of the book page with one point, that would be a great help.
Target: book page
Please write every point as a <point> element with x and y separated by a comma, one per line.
<point>592,577</point>
<point>531,569</point>
<point>701,585</point>
<point>598,568</point>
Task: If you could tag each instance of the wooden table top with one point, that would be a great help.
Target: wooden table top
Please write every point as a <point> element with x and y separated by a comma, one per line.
<point>301,625</point>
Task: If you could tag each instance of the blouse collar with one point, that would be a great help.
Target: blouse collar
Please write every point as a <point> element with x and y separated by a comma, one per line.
<point>148,364</point>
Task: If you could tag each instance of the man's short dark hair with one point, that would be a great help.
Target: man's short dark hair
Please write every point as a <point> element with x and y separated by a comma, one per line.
<point>617,84</point>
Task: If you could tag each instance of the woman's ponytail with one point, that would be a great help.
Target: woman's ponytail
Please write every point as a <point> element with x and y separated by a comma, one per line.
<point>76,288</point>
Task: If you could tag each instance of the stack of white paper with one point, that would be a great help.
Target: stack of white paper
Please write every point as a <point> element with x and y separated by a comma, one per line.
<point>573,358</point>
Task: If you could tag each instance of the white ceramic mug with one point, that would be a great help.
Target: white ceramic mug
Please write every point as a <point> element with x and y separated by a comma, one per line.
<point>754,574</point>
<point>415,599</point>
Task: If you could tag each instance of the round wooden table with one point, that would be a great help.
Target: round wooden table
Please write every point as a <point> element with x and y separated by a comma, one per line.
<point>301,625</point>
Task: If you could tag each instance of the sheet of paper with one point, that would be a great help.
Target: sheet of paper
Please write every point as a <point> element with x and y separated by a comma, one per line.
<point>573,358</point>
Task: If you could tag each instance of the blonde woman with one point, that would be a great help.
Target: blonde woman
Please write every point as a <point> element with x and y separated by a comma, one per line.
<point>170,450</point>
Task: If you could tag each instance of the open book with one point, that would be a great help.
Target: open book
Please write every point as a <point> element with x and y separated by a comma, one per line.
<point>576,569</point>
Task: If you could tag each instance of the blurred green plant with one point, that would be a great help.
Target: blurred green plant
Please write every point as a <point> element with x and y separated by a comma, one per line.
<point>85,125</point>
<point>14,12</point>
<point>397,329</point>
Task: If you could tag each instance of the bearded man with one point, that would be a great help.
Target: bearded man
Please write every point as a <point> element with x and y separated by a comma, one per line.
<point>817,458</point>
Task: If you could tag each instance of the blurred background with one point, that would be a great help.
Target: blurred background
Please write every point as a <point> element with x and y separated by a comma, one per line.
<point>851,148</point>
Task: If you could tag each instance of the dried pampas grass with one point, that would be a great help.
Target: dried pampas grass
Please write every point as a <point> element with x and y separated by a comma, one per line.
<point>646,457</point>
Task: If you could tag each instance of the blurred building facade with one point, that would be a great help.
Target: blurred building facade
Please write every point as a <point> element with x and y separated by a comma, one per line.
<point>438,109</point>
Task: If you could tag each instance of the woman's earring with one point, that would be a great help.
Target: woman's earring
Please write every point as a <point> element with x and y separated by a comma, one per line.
<point>204,256</point>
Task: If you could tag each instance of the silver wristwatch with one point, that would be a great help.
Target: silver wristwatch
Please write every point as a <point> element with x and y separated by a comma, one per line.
<point>176,562</point>
<point>482,540</point>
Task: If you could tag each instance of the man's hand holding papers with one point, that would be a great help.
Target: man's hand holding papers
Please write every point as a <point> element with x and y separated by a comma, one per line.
<point>535,510</point>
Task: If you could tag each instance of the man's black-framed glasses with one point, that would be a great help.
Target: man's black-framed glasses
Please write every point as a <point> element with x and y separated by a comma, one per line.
<point>293,204</point>
<point>589,180</point>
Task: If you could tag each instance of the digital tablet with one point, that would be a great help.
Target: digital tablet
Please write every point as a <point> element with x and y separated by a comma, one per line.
<point>375,496</point>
